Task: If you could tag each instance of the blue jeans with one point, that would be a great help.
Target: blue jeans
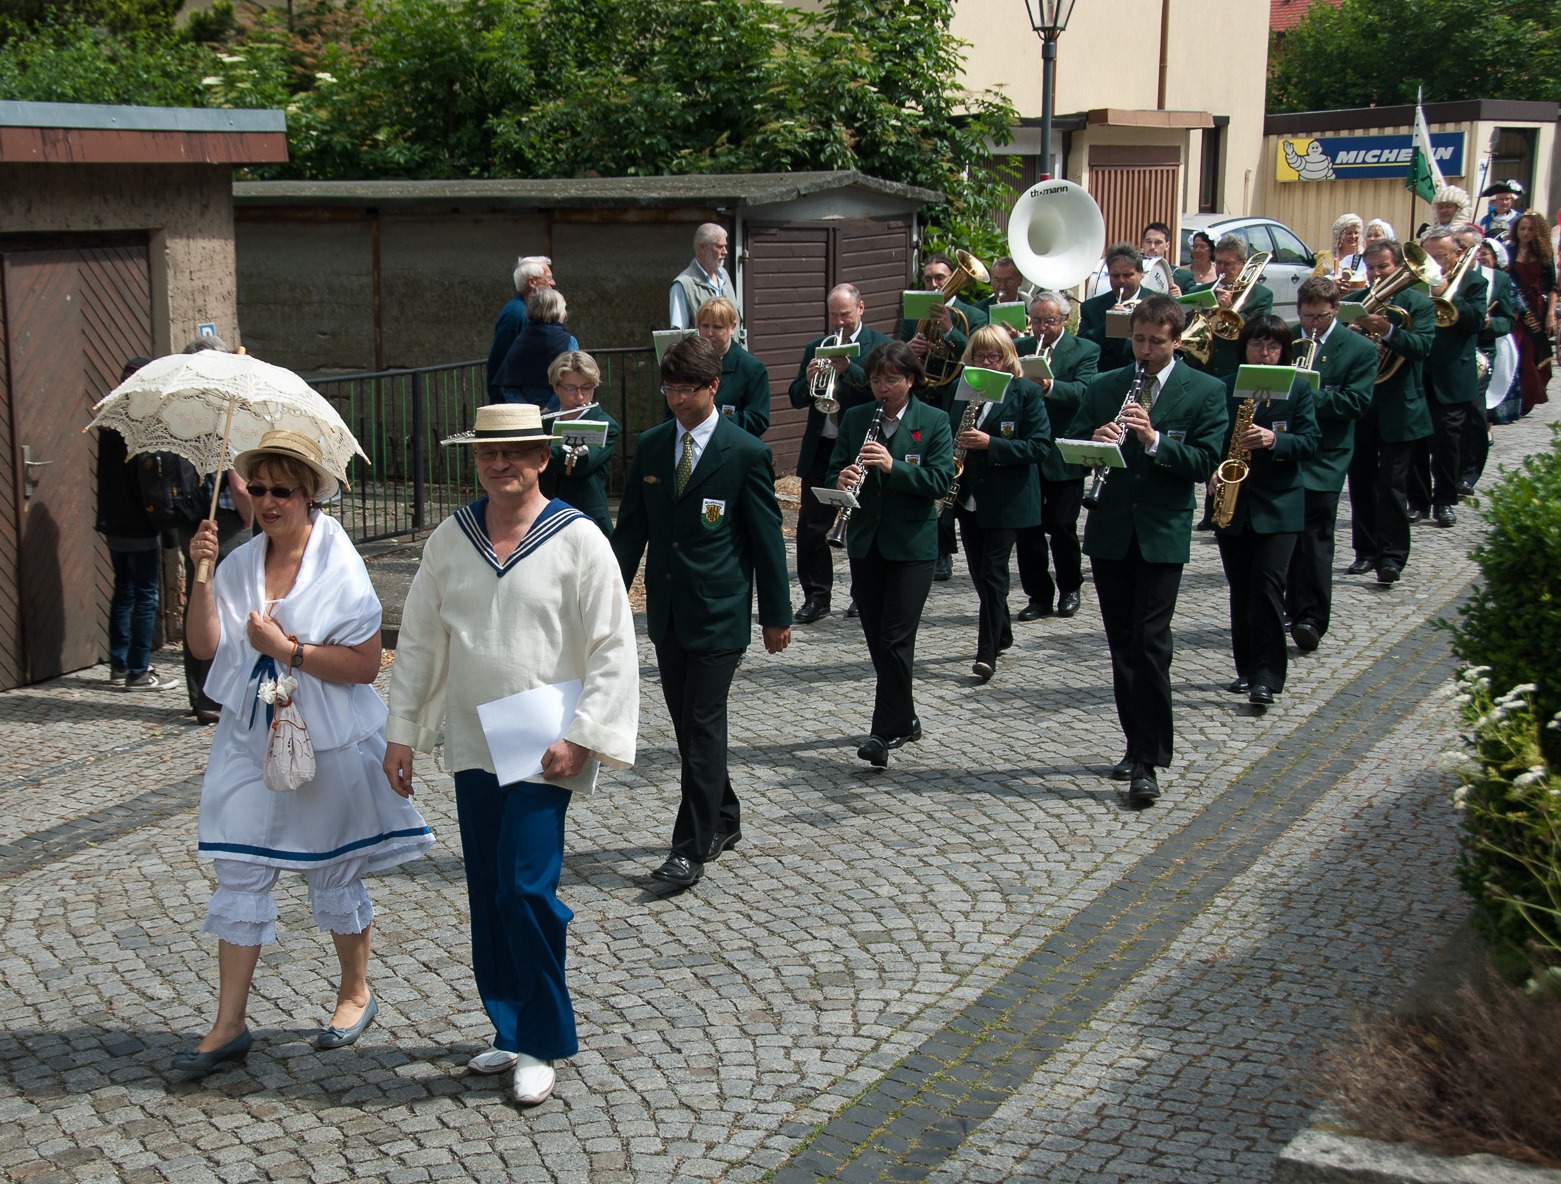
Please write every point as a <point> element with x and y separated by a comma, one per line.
<point>132,612</point>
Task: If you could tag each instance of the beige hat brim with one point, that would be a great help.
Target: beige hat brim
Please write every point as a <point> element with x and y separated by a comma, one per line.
<point>330,485</point>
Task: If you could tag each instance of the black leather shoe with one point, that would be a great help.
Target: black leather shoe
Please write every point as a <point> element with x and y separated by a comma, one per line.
<point>910,737</point>
<point>943,570</point>
<point>1144,790</point>
<point>720,843</point>
<point>1260,696</point>
<point>1444,516</point>
<point>1034,612</point>
<point>875,751</point>
<point>1122,770</point>
<point>810,611</point>
<point>679,870</point>
<point>1068,604</point>
<point>198,1064</point>
<point>1388,573</point>
<point>983,671</point>
<point>1416,514</point>
<point>1360,567</point>
<point>1466,489</point>
<point>1237,686</point>
<point>851,609</point>
<point>1306,636</point>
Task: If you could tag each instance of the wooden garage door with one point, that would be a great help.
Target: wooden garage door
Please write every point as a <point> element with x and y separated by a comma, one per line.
<point>72,312</point>
<point>788,275</point>
<point>1135,186</point>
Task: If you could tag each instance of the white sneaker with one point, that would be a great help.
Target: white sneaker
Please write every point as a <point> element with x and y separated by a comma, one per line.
<point>533,1080</point>
<point>147,680</point>
<point>495,1060</point>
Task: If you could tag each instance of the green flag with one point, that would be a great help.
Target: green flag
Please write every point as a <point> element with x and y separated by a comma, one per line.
<point>1424,178</point>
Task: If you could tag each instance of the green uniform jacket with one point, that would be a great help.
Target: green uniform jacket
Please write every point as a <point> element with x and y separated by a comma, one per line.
<point>1225,357</point>
<point>1503,312</point>
<point>1450,374</point>
<point>1114,351</point>
<point>744,394</point>
<point>707,547</point>
<point>586,488</point>
<point>899,510</point>
<point>1272,498</point>
<point>1347,372</point>
<point>1153,496</point>
<point>851,390</point>
<point>1399,402</point>
<point>942,394</point>
<point>1003,477</point>
<point>1074,363</point>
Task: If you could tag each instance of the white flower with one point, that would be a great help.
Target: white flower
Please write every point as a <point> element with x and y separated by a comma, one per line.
<point>278,690</point>
<point>211,80</point>
<point>230,57</point>
<point>1461,798</point>
<point>1461,700</point>
<point>325,76</point>
<point>1526,779</point>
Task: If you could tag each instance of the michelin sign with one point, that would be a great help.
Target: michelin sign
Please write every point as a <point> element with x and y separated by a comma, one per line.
<point>1351,158</point>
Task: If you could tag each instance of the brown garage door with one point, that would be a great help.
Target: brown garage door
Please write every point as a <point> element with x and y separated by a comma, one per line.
<point>1135,185</point>
<point>71,312</point>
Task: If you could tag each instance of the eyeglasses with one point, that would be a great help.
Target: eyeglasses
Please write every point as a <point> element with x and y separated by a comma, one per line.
<point>573,389</point>
<point>1049,322</point>
<point>882,381</point>
<point>986,359</point>
<point>487,456</point>
<point>280,492</point>
<point>684,390</point>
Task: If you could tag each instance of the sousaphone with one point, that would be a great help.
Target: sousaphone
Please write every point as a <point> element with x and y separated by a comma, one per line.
<point>1056,234</point>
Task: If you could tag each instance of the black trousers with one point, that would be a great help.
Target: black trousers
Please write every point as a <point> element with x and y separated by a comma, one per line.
<point>1475,447</point>
<point>695,684</point>
<point>231,534</point>
<point>1437,463</point>
<point>889,599</point>
<point>1379,512</point>
<point>946,542</point>
<point>815,563</point>
<point>1309,585</point>
<point>1060,503</point>
<point>986,555</point>
<point>1255,567</point>
<point>1137,600</point>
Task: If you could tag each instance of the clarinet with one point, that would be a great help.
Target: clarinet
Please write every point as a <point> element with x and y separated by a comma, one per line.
<point>1097,483</point>
<point>837,533</point>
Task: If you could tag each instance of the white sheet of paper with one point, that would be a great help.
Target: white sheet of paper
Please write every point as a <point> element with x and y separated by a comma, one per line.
<point>520,728</point>
<point>836,497</point>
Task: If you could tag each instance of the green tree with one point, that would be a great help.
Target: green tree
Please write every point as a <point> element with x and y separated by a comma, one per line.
<point>75,62</point>
<point>1380,52</point>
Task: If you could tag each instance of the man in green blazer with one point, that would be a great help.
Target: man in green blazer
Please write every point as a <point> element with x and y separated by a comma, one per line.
<point>1230,256</point>
<point>1074,362</point>
<point>1125,270</point>
<point>1006,279</point>
<point>1139,536</point>
<point>700,497</point>
<point>1385,435</point>
<point>1346,366</point>
<point>815,564</point>
<point>1452,383</point>
<point>1500,318</point>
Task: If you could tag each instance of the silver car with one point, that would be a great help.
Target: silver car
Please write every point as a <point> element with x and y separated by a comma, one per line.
<point>1292,262</point>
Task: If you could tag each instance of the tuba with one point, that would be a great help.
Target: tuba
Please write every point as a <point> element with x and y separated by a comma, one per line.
<point>941,364</point>
<point>1056,234</point>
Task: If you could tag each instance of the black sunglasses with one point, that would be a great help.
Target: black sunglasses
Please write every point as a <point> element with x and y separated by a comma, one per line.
<point>280,492</point>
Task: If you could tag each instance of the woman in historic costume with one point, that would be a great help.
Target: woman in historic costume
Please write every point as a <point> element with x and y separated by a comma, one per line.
<point>1201,273</point>
<point>294,602</point>
<point>1349,265</point>
<point>1533,273</point>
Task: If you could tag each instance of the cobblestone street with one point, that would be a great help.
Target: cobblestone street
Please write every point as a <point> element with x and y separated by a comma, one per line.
<point>973,966</point>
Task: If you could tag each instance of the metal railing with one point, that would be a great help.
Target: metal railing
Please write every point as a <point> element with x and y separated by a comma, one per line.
<point>411,483</point>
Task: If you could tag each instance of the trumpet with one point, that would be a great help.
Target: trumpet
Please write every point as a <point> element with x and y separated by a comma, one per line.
<point>837,532</point>
<point>822,385</point>
<point>1097,482</point>
<point>1306,355</point>
<point>1446,310</point>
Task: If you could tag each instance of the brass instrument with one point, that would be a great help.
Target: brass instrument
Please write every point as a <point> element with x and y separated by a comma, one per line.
<point>967,422</point>
<point>1233,469</point>
<point>822,386</point>
<point>837,532</point>
<point>1446,310</point>
<point>1306,353</point>
<point>570,450</point>
<point>1097,483</point>
<point>1416,269</point>
<point>941,363</point>
<point>1226,323</point>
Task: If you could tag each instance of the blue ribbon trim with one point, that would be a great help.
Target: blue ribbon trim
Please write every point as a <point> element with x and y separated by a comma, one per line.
<point>264,668</point>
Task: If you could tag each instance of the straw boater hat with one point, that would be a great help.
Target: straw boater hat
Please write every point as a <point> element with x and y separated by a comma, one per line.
<point>506,423</point>
<point>297,447</point>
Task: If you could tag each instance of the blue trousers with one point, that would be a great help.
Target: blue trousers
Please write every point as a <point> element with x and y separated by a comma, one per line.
<point>512,839</point>
<point>132,613</point>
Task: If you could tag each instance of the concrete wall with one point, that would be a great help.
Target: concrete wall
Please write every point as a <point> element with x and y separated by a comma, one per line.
<point>186,208</point>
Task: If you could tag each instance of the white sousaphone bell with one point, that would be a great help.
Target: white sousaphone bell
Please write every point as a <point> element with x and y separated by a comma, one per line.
<point>1056,234</point>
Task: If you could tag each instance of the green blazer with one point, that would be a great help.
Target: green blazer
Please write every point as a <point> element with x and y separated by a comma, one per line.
<point>851,390</point>
<point>1225,357</point>
<point>1502,312</point>
<point>708,547</point>
<point>1114,351</point>
<point>942,394</point>
<point>1273,497</point>
<point>1399,403</point>
<point>1153,497</point>
<point>744,394</point>
<point>1003,477</point>
<point>1074,362</point>
<point>899,510</point>
<point>1450,374</point>
<point>586,488</point>
<point>1346,373</point>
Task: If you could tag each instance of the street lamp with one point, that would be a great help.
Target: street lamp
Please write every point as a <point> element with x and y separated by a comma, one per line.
<point>1048,18</point>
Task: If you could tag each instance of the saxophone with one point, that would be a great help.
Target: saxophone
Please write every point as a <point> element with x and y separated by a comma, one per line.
<point>837,533</point>
<point>1234,468</point>
<point>966,423</point>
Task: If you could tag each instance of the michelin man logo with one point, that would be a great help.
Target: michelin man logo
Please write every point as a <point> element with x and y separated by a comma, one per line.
<point>1314,166</point>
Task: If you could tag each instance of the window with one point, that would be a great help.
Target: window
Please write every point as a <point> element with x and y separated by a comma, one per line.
<point>1288,248</point>
<point>1209,170</point>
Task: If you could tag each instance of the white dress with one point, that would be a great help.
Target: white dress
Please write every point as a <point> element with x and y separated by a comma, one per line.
<point>349,811</point>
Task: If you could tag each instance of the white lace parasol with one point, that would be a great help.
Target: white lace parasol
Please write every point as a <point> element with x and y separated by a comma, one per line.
<point>181,403</point>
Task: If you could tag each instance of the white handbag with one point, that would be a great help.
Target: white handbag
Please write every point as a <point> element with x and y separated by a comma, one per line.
<point>289,759</point>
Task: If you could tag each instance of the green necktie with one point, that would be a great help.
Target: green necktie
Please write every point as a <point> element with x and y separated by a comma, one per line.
<point>685,463</point>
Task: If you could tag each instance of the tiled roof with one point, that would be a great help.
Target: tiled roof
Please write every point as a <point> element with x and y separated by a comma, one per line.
<point>1284,13</point>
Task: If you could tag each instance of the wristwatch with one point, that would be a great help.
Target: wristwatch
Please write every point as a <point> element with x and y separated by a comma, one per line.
<point>297,660</point>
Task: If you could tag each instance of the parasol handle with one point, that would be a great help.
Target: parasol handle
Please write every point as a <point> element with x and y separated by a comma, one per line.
<point>203,568</point>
